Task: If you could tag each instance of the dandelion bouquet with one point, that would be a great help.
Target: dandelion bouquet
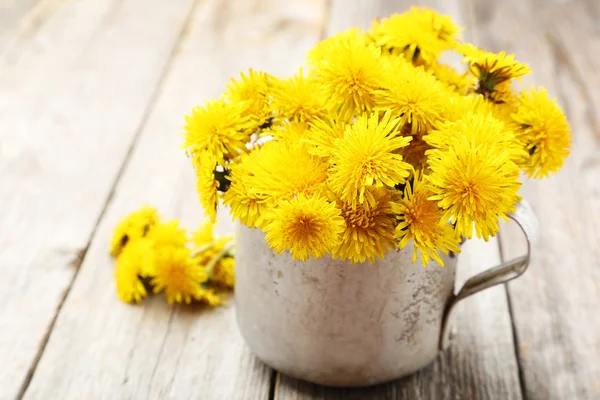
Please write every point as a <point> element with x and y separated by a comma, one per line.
<point>376,143</point>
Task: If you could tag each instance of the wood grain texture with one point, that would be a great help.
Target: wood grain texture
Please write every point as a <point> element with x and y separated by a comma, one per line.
<point>555,304</point>
<point>101,348</point>
<point>70,105</point>
<point>15,16</point>
<point>481,362</point>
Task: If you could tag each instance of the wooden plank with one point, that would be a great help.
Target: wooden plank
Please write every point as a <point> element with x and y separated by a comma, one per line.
<point>481,363</point>
<point>555,304</point>
<point>104,349</point>
<point>71,101</point>
<point>16,16</point>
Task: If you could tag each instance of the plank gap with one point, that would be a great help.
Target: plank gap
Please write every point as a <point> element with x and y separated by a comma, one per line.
<point>81,256</point>
<point>44,342</point>
<point>516,341</point>
<point>272,384</point>
<point>513,326</point>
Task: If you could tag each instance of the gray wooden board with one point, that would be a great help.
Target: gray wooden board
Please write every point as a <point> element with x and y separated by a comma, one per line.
<point>17,18</point>
<point>76,81</point>
<point>72,96</point>
<point>101,348</point>
<point>556,304</point>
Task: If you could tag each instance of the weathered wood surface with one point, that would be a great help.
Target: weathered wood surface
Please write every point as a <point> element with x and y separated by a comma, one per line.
<point>556,304</point>
<point>101,348</point>
<point>72,95</point>
<point>15,19</point>
<point>82,82</point>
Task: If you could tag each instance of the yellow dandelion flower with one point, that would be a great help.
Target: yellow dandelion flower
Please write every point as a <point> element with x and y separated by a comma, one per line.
<point>206,183</point>
<point>137,260</point>
<point>220,127</point>
<point>459,106</point>
<point>130,288</point>
<point>178,275</point>
<point>168,234</point>
<point>545,131</point>
<point>369,232</point>
<point>421,220</point>
<point>208,296</point>
<point>253,90</point>
<point>323,133</point>
<point>453,79</point>
<point>420,34</point>
<point>347,35</point>
<point>223,273</point>
<point>416,97</point>
<point>133,227</point>
<point>348,69</point>
<point>307,226</point>
<point>504,111</point>
<point>366,156</point>
<point>442,25</point>
<point>210,255</point>
<point>204,235</point>
<point>474,184</point>
<point>286,170</point>
<point>292,131</point>
<point>477,128</point>
<point>244,203</point>
<point>298,98</point>
<point>493,70</point>
<point>415,153</point>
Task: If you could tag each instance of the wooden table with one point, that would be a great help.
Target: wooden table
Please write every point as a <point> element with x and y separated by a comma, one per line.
<point>92,98</point>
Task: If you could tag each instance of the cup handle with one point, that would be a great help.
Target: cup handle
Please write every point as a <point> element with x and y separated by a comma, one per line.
<point>525,218</point>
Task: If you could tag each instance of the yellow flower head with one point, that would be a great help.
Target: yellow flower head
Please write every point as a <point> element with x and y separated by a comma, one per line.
<point>208,296</point>
<point>292,132</point>
<point>475,184</point>
<point>421,220</point>
<point>220,127</point>
<point>286,170</point>
<point>453,79</point>
<point>206,183</point>
<point>210,257</point>
<point>349,69</point>
<point>253,91</point>
<point>459,106</point>
<point>323,133</point>
<point>367,156</point>
<point>135,261</point>
<point>416,97</point>
<point>369,231</point>
<point>245,204</point>
<point>168,234</point>
<point>133,227</point>
<point>493,70</point>
<point>415,153</point>
<point>223,273</point>
<point>420,34</point>
<point>545,131</point>
<point>204,235</point>
<point>178,275</point>
<point>298,98</point>
<point>307,226</point>
<point>477,128</point>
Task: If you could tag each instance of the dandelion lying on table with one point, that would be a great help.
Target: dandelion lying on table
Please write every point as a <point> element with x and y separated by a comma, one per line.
<point>154,255</point>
